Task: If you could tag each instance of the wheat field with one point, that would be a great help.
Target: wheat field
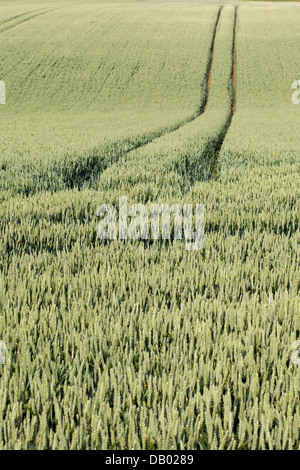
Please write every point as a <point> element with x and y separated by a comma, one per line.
<point>142,344</point>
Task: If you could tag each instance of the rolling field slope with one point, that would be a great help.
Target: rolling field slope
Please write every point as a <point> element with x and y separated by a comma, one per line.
<point>143,344</point>
<point>80,101</point>
<point>265,130</point>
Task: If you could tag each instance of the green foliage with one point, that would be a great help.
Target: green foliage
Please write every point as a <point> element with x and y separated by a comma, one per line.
<point>127,76</point>
<point>139,345</point>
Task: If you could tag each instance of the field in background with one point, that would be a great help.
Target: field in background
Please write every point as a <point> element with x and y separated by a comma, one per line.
<point>94,95</point>
<point>139,345</point>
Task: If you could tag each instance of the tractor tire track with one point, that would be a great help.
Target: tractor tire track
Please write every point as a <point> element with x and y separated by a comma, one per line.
<point>210,64</point>
<point>26,19</point>
<point>203,105</point>
<point>94,167</point>
<point>233,100</point>
<point>12,18</point>
<point>234,66</point>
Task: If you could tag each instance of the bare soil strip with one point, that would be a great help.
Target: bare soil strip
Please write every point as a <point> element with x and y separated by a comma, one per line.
<point>233,100</point>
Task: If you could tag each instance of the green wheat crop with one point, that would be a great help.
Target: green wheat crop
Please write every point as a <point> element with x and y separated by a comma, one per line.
<point>143,344</point>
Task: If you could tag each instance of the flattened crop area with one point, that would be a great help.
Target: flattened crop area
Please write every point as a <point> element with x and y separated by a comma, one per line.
<point>143,344</point>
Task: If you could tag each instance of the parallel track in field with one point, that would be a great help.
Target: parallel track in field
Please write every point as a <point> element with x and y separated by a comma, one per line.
<point>10,26</point>
<point>12,18</point>
<point>233,100</point>
<point>206,86</point>
<point>210,63</point>
<point>202,107</point>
